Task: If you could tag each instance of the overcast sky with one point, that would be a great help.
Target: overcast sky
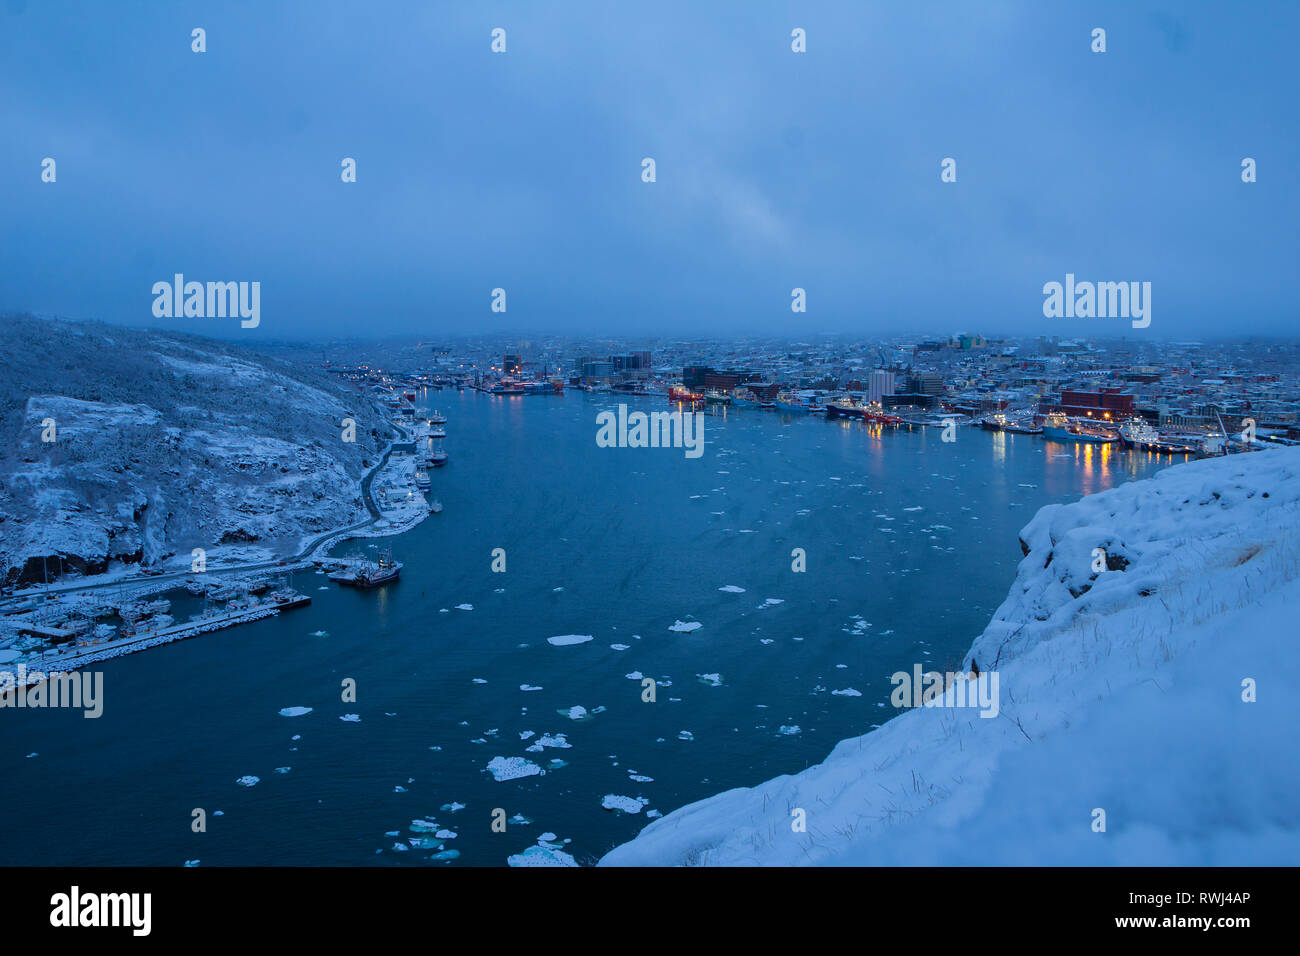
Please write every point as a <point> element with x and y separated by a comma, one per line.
<point>775,169</point>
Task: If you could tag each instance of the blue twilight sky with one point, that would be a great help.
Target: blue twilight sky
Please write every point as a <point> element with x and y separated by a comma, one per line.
<point>775,169</point>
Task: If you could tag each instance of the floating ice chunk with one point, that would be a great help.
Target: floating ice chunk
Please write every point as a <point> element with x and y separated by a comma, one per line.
<point>400,847</point>
<point>732,589</point>
<point>846,692</point>
<point>528,687</point>
<point>464,607</point>
<point>625,804</point>
<point>399,789</point>
<point>526,734</point>
<point>512,768</point>
<point>917,508</point>
<point>576,712</point>
<point>790,730</point>
<point>564,640</point>
<point>619,647</point>
<point>351,718</point>
<point>685,735</point>
<point>283,769</point>
<point>294,712</point>
<point>446,834</point>
<point>541,856</point>
<point>520,820</point>
<point>479,680</point>
<point>713,680</point>
<point>771,601</point>
<point>653,814</point>
<point>420,826</point>
<point>248,781</point>
<point>452,807</point>
<point>321,633</point>
<point>765,640</point>
<point>635,675</point>
<point>444,855</point>
<point>640,778</point>
<point>685,627</point>
<point>191,862</point>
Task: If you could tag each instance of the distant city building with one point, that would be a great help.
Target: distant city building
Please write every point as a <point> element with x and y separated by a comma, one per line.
<point>882,383</point>
<point>512,364</point>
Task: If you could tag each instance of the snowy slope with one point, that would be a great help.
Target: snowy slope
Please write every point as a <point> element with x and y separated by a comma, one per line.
<point>164,444</point>
<point>1119,691</point>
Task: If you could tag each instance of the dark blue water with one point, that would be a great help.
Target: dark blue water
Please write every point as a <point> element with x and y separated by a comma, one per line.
<point>911,543</point>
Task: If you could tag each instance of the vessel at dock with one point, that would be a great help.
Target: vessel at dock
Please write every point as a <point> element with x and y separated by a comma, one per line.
<point>1056,427</point>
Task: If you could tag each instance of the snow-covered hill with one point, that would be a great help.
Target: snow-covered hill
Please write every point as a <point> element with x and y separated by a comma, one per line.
<point>1119,691</point>
<point>165,443</point>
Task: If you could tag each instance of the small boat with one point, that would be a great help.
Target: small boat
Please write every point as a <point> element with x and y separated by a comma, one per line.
<point>422,479</point>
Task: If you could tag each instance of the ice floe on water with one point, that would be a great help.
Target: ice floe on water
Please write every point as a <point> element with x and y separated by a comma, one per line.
<point>464,607</point>
<point>283,769</point>
<point>790,730</point>
<point>294,711</point>
<point>351,718</point>
<point>713,680</point>
<point>619,647</point>
<point>846,692</point>
<point>547,852</point>
<point>639,777</point>
<point>612,801</point>
<point>528,687</point>
<point>479,680</point>
<point>526,734</point>
<point>248,781</point>
<point>685,627</point>
<point>320,633</point>
<point>548,740</point>
<point>578,712</point>
<point>452,807</point>
<point>653,814</point>
<point>563,640</point>
<point>512,768</point>
<point>635,675</point>
<point>732,589</point>
<point>685,735</point>
<point>520,820</point>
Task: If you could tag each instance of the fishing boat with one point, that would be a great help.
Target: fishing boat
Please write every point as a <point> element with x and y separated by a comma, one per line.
<point>437,418</point>
<point>422,479</point>
<point>679,393</point>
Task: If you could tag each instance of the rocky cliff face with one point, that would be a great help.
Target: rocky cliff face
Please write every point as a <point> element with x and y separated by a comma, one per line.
<point>120,445</point>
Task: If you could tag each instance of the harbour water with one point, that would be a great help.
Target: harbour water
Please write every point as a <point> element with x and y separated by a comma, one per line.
<point>910,544</point>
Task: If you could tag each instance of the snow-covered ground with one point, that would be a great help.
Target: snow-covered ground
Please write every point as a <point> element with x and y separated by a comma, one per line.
<point>127,447</point>
<point>1121,691</point>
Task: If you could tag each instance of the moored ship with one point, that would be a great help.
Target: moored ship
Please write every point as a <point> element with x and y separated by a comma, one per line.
<point>1056,427</point>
